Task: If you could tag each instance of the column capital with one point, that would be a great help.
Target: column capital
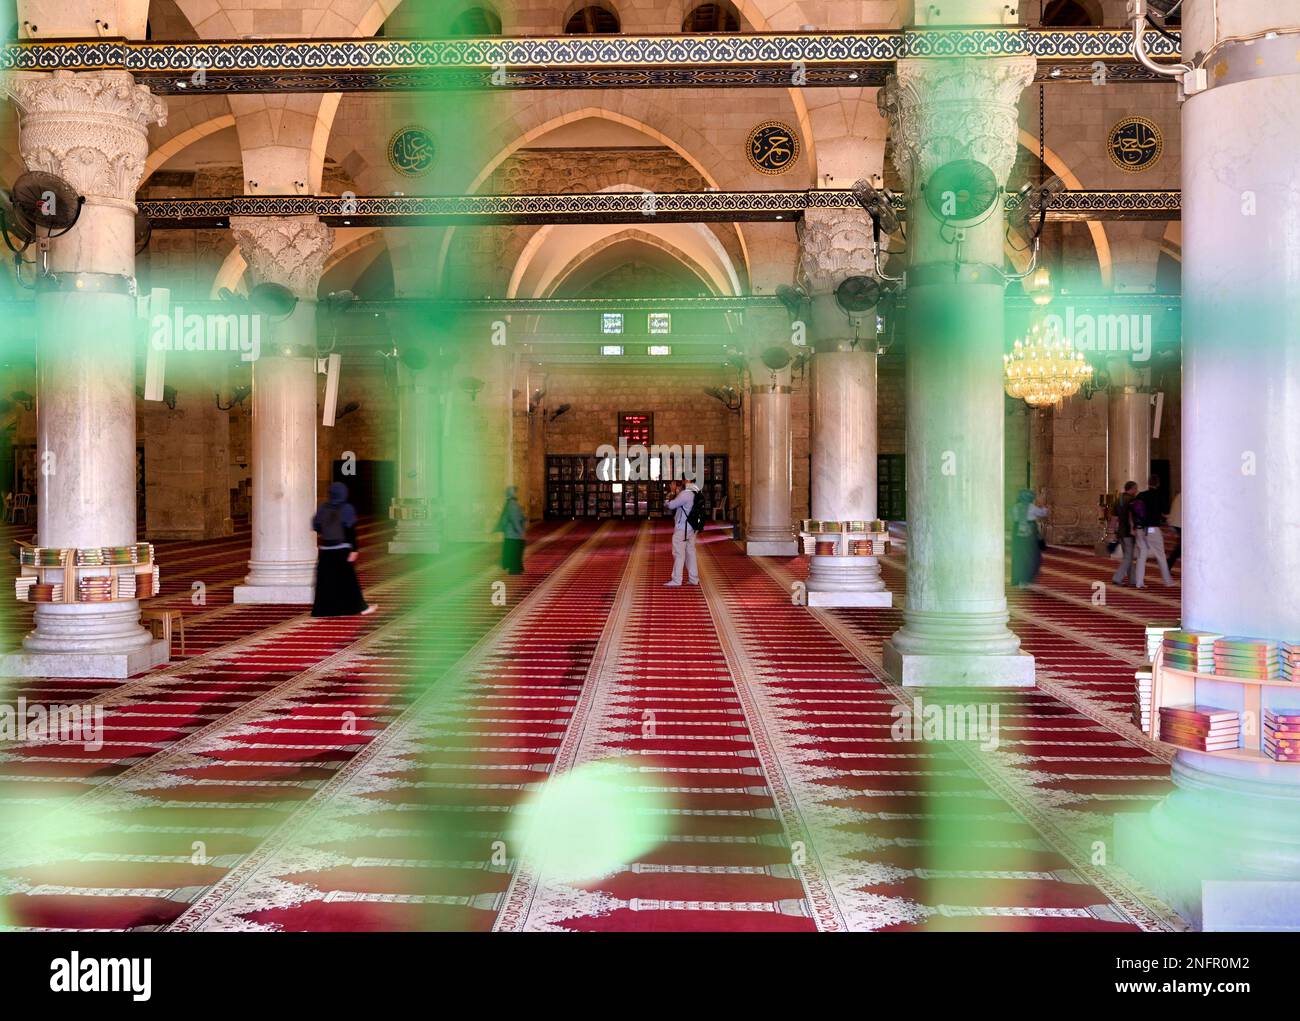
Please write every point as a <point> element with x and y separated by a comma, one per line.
<point>836,245</point>
<point>284,250</point>
<point>955,108</point>
<point>90,128</point>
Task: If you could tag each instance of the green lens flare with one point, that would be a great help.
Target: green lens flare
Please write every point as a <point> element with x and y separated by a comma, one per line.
<point>585,824</point>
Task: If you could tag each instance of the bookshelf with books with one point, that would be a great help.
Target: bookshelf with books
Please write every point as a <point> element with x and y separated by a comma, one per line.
<point>1190,678</point>
<point>844,538</point>
<point>96,574</point>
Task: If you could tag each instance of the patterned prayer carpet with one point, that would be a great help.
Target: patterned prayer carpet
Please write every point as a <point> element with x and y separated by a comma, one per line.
<point>582,749</point>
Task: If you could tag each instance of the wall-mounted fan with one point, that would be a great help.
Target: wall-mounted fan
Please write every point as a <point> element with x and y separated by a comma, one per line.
<point>143,232</point>
<point>775,358</point>
<point>795,300</point>
<point>37,202</point>
<point>857,294</point>
<point>961,193</point>
<point>879,206</point>
<point>1033,201</point>
<point>275,301</point>
<point>413,357</point>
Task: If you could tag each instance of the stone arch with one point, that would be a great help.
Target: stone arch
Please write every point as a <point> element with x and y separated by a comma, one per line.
<point>594,238</point>
<point>543,128</point>
<point>726,15</point>
<point>578,6</point>
<point>491,15</point>
<point>1101,243</point>
<point>1070,13</point>
<point>181,141</point>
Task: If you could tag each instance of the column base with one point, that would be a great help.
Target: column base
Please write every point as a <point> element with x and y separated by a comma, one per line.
<point>840,598</point>
<point>770,548</point>
<point>958,670</point>
<point>84,664</point>
<point>275,594</point>
<point>415,548</point>
<point>1223,850</point>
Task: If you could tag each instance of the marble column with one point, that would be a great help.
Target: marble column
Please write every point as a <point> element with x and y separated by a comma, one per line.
<point>1128,427</point>
<point>955,630</point>
<point>290,252</point>
<point>89,129</point>
<point>1224,848</point>
<point>770,533</point>
<point>836,246</point>
<point>417,411</point>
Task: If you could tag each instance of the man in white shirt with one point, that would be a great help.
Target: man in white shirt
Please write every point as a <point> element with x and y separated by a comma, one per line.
<point>683,499</point>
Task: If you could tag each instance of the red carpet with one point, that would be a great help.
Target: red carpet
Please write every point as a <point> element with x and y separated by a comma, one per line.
<point>373,773</point>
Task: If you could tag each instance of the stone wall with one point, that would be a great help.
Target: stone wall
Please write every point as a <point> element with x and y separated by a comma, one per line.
<point>187,452</point>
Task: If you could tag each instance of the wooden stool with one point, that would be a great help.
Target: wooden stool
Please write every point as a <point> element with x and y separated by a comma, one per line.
<point>165,619</point>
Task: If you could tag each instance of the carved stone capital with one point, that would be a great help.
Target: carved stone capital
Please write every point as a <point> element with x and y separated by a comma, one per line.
<point>289,252</point>
<point>955,108</point>
<point>89,128</point>
<point>836,246</point>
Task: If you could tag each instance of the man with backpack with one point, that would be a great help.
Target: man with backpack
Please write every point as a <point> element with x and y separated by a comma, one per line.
<point>1148,513</point>
<point>688,519</point>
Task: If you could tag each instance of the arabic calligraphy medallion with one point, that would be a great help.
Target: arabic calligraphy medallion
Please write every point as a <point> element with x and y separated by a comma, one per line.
<point>411,151</point>
<point>1135,144</point>
<point>773,148</point>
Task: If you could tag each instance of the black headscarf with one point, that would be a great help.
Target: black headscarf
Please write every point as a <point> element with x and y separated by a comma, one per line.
<point>337,503</point>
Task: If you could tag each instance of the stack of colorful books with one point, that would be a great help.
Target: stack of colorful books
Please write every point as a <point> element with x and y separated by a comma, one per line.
<point>1282,734</point>
<point>1190,650</point>
<point>1142,700</point>
<point>1156,635</point>
<point>1204,728</point>
<point>1252,658</point>
<point>1289,661</point>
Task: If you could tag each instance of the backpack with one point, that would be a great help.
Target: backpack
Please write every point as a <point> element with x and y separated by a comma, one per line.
<point>695,516</point>
<point>330,521</point>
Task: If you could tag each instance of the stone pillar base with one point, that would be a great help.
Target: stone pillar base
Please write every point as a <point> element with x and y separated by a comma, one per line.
<point>84,664</point>
<point>1223,850</point>
<point>768,548</point>
<point>275,594</point>
<point>1211,905</point>
<point>958,670</point>
<point>842,598</point>
<point>427,546</point>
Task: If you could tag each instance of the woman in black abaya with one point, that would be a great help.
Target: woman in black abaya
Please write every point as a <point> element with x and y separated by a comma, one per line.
<point>338,593</point>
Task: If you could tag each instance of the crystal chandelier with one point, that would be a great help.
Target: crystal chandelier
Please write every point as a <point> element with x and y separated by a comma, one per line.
<point>1044,368</point>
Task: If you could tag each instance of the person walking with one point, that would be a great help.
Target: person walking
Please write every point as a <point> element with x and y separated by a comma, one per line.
<point>682,502</point>
<point>1026,549</point>
<point>1123,513</point>
<point>338,593</point>
<point>1175,521</point>
<point>1147,514</point>
<point>511,525</point>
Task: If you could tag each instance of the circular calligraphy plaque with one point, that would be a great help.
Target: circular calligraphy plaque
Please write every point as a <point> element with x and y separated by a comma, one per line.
<point>772,148</point>
<point>1135,144</point>
<point>411,151</point>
